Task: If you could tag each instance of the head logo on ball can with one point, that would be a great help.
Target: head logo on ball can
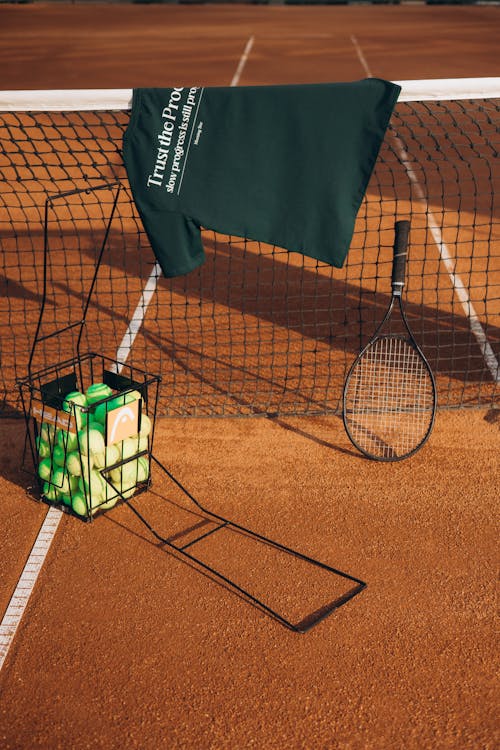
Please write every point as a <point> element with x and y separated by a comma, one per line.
<point>123,422</point>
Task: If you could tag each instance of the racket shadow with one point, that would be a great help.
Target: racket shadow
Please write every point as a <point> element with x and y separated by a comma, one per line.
<point>280,422</point>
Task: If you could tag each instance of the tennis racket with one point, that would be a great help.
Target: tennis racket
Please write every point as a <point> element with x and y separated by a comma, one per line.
<point>389,393</point>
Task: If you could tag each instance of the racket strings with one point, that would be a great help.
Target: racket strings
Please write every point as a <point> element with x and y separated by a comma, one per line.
<point>389,400</point>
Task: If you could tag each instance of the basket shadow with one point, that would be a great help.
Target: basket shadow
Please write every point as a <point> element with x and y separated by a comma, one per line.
<point>259,570</point>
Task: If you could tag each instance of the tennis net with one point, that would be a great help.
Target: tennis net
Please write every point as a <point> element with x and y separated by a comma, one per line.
<point>256,329</point>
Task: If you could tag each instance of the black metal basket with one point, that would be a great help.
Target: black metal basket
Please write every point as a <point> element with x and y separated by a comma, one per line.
<point>90,453</point>
<point>90,427</point>
<point>89,419</point>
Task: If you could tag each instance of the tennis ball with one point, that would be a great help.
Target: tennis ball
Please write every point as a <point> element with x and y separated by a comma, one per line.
<point>112,498</point>
<point>126,398</point>
<point>114,403</point>
<point>47,432</point>
<point>129,473</point>
<point>101,410</point>
<point>74,464</point>
<point>42,447</point>
<point>60,481</point>
<point>93,487</point>
<point>142,469</point>
<point>95,425</point>
<point>75,397</point>
<point>109,503</point>
<point>65,498</point>
<point>79,504</point>
<point>145,425</point>
<point>75,403</point>
<point>109,457</point>
<point>45,469</point>
<point>97,391</point>
<point>134,395</point>
<point>73,484</point>
<point>133,445</point>
<point>58,455</point>
<point>50,492</point>
<point>91,441</point>
<point>67,440</point>
<point>124,477</point>
<point>115,476</point>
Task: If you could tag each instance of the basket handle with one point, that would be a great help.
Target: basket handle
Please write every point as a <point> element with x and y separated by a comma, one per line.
<point>81,323</point>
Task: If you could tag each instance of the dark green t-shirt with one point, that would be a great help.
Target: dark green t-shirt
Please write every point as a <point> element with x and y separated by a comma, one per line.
<point>286,165</point>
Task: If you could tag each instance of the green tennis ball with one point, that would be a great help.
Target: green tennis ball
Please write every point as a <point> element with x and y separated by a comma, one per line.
<point>74,464</point>
<point>79,504</point>
<point>67,440</point>
<point>101,410</point>
<point>47,432</point>
<point>45,469</point>
<point>42,447</point>
<point>115,476</point>
<point>93,487</point>
<point>73,484</point>
<point>99,460</point>
<point>124,477</point>
<point>109,457</point>
<point>50,492</point>
<point>126,398</point>
<point>114,403</point>
<point>66,499</point>
<point>109,503</point>
<point>132,396</point>
<point>145,425</point>
<point>142,469</point>
<point>91,441</point>
<point>129,474</point>
<point>113,454</point>
<point>95,425</point>
<point>75,403</point>
<point>96,392</point>
<point>112,498</point>
<point>58,455</point>
<point>133,445</point>
<point>75,397</point>
<point>60,481</point>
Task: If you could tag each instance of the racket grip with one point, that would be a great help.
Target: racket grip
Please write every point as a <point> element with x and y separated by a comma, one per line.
<point>402,230</point>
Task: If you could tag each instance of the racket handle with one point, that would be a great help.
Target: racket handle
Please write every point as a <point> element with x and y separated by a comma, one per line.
<point>402,230</point>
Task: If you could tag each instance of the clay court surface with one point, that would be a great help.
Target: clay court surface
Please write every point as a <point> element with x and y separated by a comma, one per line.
<point>125,645</point>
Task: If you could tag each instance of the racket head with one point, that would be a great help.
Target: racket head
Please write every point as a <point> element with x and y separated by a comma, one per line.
<point>389,399</point>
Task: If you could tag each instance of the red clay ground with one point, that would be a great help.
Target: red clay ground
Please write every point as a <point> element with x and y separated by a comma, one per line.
<point>125,646</point>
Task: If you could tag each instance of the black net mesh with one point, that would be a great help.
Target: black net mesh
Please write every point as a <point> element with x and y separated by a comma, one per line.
<point>256,329</point>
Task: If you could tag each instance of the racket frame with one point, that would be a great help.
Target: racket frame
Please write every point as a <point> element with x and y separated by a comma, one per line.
<point>398,274</point>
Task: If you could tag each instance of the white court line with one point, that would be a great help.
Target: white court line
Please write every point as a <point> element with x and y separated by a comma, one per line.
<point>243,61</point>
<point>137,318</point>
<point>26,583</point>
<point>444,253</point>
<point>140,311</point>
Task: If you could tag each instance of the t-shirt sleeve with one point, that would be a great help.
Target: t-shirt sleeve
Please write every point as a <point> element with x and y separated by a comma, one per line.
<point>175,240</point>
